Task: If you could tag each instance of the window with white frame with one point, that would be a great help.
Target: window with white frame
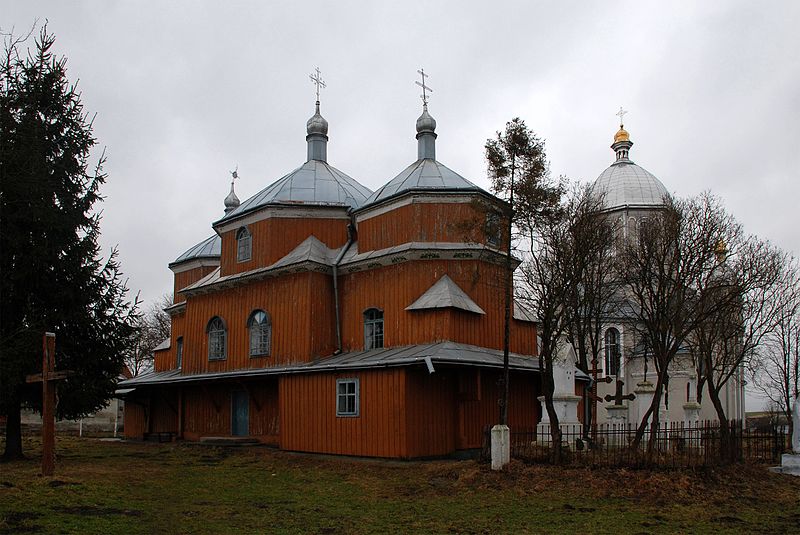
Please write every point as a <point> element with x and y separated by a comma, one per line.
<point>493,228</point>
<point>217,339</point>
<point>613,353</point>
<point>244,244</point>
<point>179,352</point>
<point>347,392</point>
<point>260,328</point>
<point>373,328</point>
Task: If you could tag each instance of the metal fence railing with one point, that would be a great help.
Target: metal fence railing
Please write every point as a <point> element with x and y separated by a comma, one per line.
<point>674,445</point>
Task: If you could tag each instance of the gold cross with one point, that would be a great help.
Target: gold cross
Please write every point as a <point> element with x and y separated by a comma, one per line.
<point>424,87</point>
<point>317,79</point>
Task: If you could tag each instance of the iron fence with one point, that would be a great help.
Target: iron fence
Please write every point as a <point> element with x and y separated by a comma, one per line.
<point>671,445</point>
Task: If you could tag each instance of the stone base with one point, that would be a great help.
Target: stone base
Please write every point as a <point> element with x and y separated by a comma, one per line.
<point>790,464</point>
<point>501,446</point>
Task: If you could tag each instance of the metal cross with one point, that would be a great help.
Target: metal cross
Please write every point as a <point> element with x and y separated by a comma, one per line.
<point>317,79</point>
<point>425,88</point>
<point>621,114</point>
<point>617,398</point>
<point>234,174</point>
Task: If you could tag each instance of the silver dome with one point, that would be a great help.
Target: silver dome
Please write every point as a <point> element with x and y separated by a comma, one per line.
<point>317,124</point>
<point>313,183</point>
<point>208,248</point>
<point>425,175</point>
<point>426,123</point>
<point>626,185</point>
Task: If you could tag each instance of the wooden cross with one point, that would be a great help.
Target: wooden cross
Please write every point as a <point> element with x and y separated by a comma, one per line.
<point>48,378</point>
<point>621,114</point>
<point>425,88</point>
<point>595,371</point>
<point>317,79</point>
<point>617,398</point>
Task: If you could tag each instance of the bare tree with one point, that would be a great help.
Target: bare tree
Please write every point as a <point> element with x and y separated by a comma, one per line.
<point>738,315</point>
<point>776,373</point>
<point>153,328</point>
<point>666,270</point>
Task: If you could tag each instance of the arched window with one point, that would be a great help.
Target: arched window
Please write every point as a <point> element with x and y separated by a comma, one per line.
<point>244,244</point>
<point>179,352</point>
<point>613,353</point>
<point>260,328</point>
<point>217,339</point>
<point>373,328</point>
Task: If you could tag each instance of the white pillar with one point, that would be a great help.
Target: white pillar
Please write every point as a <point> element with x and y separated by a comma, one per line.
<point>617,418</point>
<point>501,446</point>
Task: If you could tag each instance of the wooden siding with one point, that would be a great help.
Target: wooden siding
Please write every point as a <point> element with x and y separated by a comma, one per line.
<point>135,420</point>
<point>300,306</point>
<point>393,288</point>
<point>309,422</point>
<point>431,412</point>
<point>274,238</point>
<point>424,222</point>
<point>185,278</point>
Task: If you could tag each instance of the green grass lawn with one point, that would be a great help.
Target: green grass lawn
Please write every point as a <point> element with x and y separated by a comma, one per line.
<point>118,487</point>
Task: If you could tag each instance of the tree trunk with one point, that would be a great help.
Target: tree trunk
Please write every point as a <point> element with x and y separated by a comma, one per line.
<point>651,411</point>
<point>725,443</point>
<point>555,428</point>
<point>13,432</point>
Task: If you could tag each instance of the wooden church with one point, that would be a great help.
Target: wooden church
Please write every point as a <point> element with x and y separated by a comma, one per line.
<point>323,317</point>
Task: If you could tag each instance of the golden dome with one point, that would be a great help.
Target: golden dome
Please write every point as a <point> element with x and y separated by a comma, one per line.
<point>621,135</point>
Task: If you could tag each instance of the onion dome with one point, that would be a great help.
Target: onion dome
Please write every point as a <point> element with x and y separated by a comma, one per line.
<point>317,138</point>
<point>231,201</point>
<point>425,123</point>
<point>625,184</point>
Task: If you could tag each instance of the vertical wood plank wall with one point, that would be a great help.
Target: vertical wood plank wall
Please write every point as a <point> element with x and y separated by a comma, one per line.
<point>274,238</point>
<point>431,412</point>
<point>185,278</point>
<point>309,422</point>
<point>134,428</point>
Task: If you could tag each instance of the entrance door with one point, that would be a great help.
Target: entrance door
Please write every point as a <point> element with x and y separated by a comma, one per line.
<point>240,413</point>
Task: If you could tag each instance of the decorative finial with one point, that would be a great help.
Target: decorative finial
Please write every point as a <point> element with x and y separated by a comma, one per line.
<point>621,113</point>
<point>425,88</point>
<point>232,201</point>
<point>316,78</point>
<point>721,251</point>
<point>234,174</point>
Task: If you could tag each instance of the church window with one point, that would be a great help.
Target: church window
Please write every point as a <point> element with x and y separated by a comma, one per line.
<point>493,224</point>
<point>347,392</point>
<point>217,339</point>
<point>373,328</point>
<point>613,354</point>
<point>260,329</point>
<point>244,245</point>
<point>179,352</point>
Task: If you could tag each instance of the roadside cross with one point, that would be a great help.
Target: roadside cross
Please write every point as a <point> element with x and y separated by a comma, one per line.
<point>48,378</point>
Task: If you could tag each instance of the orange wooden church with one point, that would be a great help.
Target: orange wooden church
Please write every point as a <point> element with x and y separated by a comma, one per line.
<point>323,317</point>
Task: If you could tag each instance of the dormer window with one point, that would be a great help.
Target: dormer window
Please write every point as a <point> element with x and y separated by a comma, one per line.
<point>244,245</point>
<point>373,328</point>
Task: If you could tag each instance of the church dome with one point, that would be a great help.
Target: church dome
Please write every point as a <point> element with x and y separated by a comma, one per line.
<point>208,248</point>
<point>424,175</point>
<point>625,184</point>
<point>317,124</point>
<point>426,123</point>
<point>314,183</point>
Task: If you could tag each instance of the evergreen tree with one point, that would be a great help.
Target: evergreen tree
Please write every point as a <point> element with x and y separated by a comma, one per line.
<point>52,276</point>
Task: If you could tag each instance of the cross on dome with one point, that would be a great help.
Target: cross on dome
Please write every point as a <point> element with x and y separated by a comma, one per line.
<point>425,88</point>
<point>316,78</point>
<point>621,113</point>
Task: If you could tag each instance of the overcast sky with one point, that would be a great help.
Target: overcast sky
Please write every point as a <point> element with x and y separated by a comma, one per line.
<point>186,91</point>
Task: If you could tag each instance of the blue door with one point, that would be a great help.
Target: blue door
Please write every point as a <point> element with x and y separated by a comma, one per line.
<point>240,413</point>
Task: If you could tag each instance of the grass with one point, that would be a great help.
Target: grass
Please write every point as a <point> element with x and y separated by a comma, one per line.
<point>118,487</point>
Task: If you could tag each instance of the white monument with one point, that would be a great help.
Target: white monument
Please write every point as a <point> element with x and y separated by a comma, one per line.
<point>565,402</point>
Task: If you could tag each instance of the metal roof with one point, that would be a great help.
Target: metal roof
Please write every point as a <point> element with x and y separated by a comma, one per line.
<point>625,184</point>
<point>450,353</point>
<point>313,183</point>
<point>445,294</point>
<point>424,175</point>
<point>209,248</point>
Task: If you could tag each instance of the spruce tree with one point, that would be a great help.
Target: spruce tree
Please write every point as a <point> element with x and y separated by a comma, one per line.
<point>53,276</point>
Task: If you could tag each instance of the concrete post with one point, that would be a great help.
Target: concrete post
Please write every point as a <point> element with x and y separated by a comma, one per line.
<point>617,418</point>
<point>501,446</point>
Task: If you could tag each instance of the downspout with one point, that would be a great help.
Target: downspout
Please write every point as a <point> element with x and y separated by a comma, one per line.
<point>351,233</point>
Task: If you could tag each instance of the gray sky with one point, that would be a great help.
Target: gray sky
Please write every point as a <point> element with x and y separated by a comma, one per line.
<point>185,91</point>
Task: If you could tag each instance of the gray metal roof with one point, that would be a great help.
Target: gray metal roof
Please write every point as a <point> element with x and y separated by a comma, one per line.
<point>450,353</point>
<point>445,294</point>
<point>208,248</point>
<point>423,175</point>
<point>313,183</point>
<point>625,184</point>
